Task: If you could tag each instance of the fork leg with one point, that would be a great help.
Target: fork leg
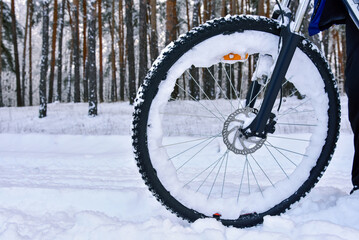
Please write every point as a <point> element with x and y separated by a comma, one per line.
<point>290,41</point>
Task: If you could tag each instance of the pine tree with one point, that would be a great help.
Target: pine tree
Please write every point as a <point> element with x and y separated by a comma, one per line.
<point>142,68</point>
<point>53,53</point>
<point>84,51</point>
<point>171,33</point>
<point>208,73</point>
<point>31,9</point>
<point>16,55</point>
<point>193,86</point>
<point>24,53</point>
<point>130,51</point>
<point>121,48</point>
<point>59,56</point>
<point>171,27</point>
<point>113,55</point>
<point>76,49</point>
<point>1,16</point>
<point>92,60</point>
<point>154,37</point>
<point>44,58</point>
<point>71,55</point>
<point>100,50</point>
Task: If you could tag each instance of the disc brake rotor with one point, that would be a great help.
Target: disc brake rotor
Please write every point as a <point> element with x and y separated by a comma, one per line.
<point>233,137</point>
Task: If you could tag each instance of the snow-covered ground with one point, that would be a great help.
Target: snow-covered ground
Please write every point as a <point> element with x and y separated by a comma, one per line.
<point>69,176</point>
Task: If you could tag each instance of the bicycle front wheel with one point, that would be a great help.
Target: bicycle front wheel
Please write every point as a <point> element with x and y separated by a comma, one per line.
<point>192,104</point>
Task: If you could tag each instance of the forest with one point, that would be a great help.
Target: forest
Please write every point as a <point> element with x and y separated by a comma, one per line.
<point>100,50</point>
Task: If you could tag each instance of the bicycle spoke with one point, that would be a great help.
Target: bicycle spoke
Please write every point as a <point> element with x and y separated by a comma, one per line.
<point>224,94</point>
<point>296,112</point>
<point>292,109</point>
<point>252,92</point>
<point>210,172</point>
<point>249,186</point>
<point>261,91</point>
<point>205,95</point>
<point>297,124</point>
<point>282,154</point>
<point>215,179</point>
<point>216,161</point>
<point>240,185</point>
<point>240,92</point>
<point>287,150</point>
<point>275,159</point>
<point>178,143</point>
<point>195,146</point>
<point>265,174</point>
<point>187,115</point>
<point>277,104</point>
<point>288,138</point>
<point>224,175</point>
<point>193,98</point>
<point>195,155</point>
<point>230,80</point>
<point>254,177</point>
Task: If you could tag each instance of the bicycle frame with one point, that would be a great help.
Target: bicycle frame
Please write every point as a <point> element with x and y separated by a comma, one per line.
<point>290,38</point>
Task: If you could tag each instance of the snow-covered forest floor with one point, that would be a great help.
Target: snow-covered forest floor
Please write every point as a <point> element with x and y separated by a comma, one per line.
<point>69,176</point>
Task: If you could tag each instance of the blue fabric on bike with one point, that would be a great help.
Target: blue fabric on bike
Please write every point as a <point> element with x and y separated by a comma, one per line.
<point>314,22</point>
<point>325,14</point>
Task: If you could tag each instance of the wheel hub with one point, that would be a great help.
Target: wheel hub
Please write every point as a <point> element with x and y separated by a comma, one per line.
<point>232,134</point>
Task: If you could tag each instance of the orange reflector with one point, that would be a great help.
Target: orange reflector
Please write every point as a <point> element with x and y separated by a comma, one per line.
<point>217,215</point>
<point>235,57</point>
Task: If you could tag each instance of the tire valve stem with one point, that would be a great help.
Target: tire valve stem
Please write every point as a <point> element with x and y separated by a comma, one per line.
<point>217,216</point>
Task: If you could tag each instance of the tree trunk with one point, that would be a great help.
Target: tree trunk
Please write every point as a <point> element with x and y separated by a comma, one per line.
<point>171,21</point>
<point>260,8</point>
<point>76,52</point>
<point>171,32</point>
<point>1,16</point>
<point>121,47</point>
<point>100,50</point>
<point>205,10</point>
<point>30,52</point>
<point>92,61</point>
<point>113,55</point>
<point>325,42</point>
<point>24,54</point>
<point>71,57</point>
<point>213,9</point>
<point>224,8</point>
<point>59,56</point>
<point>142,68</point>
<point>130,52</point>
<point>187,14</point>
<point>69,75</point>
<point>248,7</point>
<point>154,37</point>
<point>232,7</point>
<point>208,81</point>
<point>53,53</point>
<point>84,51</point>
<point>44,58</point>
<point>268,8</point>
<point>193,87</point>
<point>16,54</point>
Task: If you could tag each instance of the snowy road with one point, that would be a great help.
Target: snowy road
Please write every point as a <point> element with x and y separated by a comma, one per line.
<point>70,181</point>
<point>88,187</point>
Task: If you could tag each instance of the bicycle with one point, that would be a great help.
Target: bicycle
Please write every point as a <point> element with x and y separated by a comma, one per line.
<point>237,153</point>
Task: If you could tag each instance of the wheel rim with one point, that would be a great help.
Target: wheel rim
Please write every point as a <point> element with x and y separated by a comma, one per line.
<point>198,167</point>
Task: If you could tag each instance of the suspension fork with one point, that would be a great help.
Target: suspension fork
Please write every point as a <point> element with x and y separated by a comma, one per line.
<point>290,40</point>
